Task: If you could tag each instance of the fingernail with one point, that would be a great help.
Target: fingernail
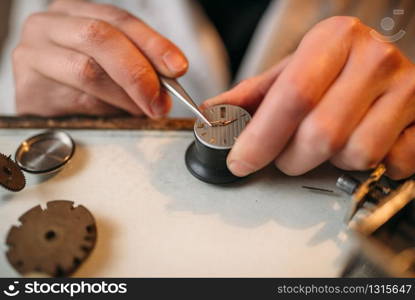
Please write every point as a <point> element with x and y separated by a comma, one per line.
<point>239,168</point>
<point>175,62</point>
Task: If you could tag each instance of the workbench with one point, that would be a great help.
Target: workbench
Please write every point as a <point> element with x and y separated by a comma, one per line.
<point>154,219</point>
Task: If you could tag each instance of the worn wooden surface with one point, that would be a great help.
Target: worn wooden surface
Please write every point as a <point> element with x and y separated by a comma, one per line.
<point>78,122</point>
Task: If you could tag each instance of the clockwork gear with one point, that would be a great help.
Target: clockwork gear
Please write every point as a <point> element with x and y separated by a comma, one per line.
<point>54,241</point>
<point>11,177</point>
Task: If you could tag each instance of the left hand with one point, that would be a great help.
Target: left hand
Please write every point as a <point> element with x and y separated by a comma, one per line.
<point>343,96</point>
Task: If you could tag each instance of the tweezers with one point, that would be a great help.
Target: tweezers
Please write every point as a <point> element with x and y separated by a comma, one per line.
<point>174,87</point>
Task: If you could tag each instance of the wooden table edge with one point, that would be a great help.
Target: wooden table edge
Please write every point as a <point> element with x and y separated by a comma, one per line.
<point>99,123</point>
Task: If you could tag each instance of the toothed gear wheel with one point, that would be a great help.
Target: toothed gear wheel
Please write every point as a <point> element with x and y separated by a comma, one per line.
<point>11,177</point>
<point>54,241</point>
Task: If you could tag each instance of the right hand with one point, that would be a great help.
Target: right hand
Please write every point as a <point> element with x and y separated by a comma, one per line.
<point>87,58</point>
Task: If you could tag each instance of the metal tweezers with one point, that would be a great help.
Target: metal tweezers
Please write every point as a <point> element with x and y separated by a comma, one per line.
<point>174,87</point>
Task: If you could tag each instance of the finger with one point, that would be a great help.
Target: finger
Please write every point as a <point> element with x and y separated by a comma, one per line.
<point>59,100</point>
<point>85,104</point>
<point>379,130</point>
<point>400,162</point>
<point>163,54</point>
<point>78,71</point>
<point>111,49</point>
<point>313,67</point>
<point>250,92</point>
<point>326,130</point>
<point>167,103</point>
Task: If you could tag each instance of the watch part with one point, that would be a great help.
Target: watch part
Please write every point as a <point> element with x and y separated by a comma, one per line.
<point>45,153</point>
<point>54,241</point>
<point>228,122</point>
<point>206,156</point>
<point>11,177</point>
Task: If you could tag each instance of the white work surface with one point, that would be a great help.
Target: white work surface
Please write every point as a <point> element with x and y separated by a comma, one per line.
<point>155,219</point>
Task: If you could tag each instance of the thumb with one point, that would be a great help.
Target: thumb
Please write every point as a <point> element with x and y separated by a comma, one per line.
<point>249,92</point>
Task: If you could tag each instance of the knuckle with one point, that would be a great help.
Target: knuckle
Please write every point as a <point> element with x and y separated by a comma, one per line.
<point>143,82</point>
<point>322,138</point>
<point>95,32</point>
<point>115,14</point>
<point>89,71</point>
<point>387,56</point>
<point>137,73</point>
<point>143,77</point>
<point>31,23</point>
<point>343,24</point>
<point>302,99</point>
<point>33,19</point>
<point>350,24</point>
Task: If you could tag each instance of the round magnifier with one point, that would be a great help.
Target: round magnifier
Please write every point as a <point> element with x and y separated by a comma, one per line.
<point>206,156</point>
<point>45,153</point>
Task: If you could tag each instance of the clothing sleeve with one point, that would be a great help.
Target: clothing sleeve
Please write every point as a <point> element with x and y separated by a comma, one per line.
<point>17,12</point>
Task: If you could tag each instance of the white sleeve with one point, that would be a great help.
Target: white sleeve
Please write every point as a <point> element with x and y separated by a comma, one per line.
<point>20,10</point>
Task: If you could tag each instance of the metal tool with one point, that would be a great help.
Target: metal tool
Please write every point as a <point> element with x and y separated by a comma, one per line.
<point>385,229</point>
<point>52,241</point>
<point>206,156</point>
<point>386,236</point>
<point>45,153</point>
<point>362,192</point>
<point>174,87</point>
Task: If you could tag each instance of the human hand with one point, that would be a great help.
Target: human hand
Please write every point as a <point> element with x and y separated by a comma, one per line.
<point>87,58</point>
<point>343,96</point>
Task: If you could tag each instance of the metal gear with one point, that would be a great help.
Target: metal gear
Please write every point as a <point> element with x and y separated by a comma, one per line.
<point>54,241</point>
<point>11,177</point>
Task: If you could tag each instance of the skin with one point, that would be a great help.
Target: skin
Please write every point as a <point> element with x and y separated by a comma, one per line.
<point>343,96</point>
<point>87,58</point>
